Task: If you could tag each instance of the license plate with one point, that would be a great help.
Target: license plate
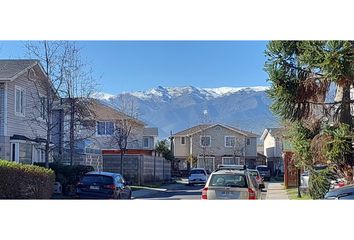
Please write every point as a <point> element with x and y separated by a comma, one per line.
<point>228,194</point>
<point>94,187</point>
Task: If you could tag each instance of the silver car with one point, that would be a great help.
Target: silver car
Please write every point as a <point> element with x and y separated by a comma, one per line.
<point>231,184</point>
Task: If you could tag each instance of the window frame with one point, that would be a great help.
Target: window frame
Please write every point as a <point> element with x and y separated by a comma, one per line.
<point>105,128</point>
<point>148,145</point>
<point>237,160</point>
<point>183,140</point>
<point>229,136</point>
<point>205,136</point>
<point>248,141</point>
<point>43,112</point>
<point>22,101</point>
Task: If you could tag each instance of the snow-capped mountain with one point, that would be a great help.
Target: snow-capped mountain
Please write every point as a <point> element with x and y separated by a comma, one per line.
<point>177,108</point>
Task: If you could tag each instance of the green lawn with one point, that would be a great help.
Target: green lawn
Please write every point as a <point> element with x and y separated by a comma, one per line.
<point>292,192</point>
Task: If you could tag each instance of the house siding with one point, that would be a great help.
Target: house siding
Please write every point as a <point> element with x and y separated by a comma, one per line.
<point>2,108</point>
<point>181,150</point>
<point>217,146</point>
<point>23,125</point>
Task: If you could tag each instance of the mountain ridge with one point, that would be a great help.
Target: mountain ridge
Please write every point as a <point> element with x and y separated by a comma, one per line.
<point>173,109</point>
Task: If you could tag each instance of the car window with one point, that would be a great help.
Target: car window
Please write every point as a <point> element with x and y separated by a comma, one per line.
<point>197,172</point>
<point>228,180</point>
<point>89,179</point>
<point>119,179</point>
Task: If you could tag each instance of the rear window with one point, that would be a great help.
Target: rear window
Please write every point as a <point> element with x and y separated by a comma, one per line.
<point>197,172</point>
<point>89,179</point>
<point>228,180</point>
<point>262,168</point>
<point>253,173</point>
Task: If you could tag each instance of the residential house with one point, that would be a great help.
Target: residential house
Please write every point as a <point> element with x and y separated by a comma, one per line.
<point>214,144</point>
<point>97,134</point>
<point>273,148</point>
<point>22,94</point>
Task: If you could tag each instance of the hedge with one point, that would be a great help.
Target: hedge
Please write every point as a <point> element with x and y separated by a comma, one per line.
<point>68,175</point>
<point>22,181</point>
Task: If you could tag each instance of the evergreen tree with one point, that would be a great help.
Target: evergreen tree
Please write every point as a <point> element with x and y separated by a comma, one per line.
<point>302,76</point>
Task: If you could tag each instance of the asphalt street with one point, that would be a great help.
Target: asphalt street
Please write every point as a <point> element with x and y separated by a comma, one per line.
<point>183,192</point>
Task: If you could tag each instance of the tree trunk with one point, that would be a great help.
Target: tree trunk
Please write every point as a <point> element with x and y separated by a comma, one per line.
<point>121,161</point>
<point>72,129</point>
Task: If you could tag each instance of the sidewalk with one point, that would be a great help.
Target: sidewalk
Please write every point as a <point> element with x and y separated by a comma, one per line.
<point>276,191</point>
<point>145,191</point>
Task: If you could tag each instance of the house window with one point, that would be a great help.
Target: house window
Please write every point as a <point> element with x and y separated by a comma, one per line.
<point>248,141</point>
<point>231,160</point>
<point>105,128</point>
<point>230,141</point>
<point>183,140</point>
<point>19,101</point>
<point>205,141</point>
<point>43,102</point>
<point>145,142</point>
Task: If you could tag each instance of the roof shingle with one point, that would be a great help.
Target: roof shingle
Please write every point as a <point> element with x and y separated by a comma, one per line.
<point>10,68</point>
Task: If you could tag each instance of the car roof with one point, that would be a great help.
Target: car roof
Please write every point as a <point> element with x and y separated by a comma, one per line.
<point>261,166</point>
<point>228,171</point>
<point>108,174</point>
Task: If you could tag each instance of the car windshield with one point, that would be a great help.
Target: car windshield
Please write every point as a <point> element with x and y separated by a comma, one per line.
<point>262,168</point>
<point>89,179</point>
<point>197,171</point>
<point>229,180</point>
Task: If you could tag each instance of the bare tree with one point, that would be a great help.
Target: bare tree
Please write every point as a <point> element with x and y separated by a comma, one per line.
<point>67,78</point>
<point>52,57</point>
<point>77,91</point>
<point>123,132</point>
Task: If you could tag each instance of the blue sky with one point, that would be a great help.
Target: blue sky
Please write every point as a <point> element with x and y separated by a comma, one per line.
<point>140,65</point>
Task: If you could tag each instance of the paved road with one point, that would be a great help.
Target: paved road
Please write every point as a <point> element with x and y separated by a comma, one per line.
<point>183,192</point>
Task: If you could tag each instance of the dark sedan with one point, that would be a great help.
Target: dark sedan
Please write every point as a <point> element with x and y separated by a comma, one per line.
<point>103,185</point>
<point>343,193</point>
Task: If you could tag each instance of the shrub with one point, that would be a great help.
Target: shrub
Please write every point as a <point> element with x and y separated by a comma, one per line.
<point>68,175</point>
<point>22,181</point>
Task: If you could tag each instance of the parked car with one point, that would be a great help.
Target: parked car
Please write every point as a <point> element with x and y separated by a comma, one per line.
<point>257,176</point>
<point>197,176</point>
<point>103,185</point>
<point>343,193</point>
<point>231,184</point>
<point>264,171</point>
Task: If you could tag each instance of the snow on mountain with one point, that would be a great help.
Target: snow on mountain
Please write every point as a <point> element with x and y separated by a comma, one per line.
<point>170,92</point>
<point>103,96</point>
<point>177,108</point>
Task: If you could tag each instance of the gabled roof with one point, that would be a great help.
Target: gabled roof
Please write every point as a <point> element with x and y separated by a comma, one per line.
<point>105,112</point>
<point>275,132</point>
<point>10,69</point>
<point>198,128</point>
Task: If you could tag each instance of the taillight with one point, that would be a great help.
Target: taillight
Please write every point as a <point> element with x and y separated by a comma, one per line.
<point>205,193</point>
<point>112,186</point>
<point>251,194</point>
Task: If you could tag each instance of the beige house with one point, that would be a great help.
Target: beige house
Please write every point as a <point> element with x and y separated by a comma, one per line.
<point>98,135</point>
<point>22,95</point>
<point>273,148</point>
<point>213,144</point>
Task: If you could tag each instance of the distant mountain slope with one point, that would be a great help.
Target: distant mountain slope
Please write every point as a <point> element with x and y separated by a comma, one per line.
<point>176,108</point>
